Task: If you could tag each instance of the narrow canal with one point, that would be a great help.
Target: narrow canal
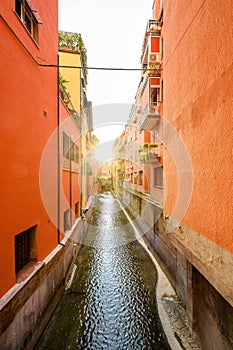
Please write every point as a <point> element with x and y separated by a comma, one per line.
<point>111,301</point>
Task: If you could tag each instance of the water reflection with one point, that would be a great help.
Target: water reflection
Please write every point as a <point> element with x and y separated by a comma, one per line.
<point>111,303</point>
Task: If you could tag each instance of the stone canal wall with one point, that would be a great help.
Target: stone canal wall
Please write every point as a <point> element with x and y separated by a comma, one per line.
<point>199,270</point>
<point>148,217</point>
<point>27,307</point>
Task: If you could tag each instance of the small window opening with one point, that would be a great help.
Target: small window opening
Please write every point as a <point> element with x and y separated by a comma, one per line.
<point>67,223</point>
<point>76,209</point>
<point>25,248</point>
<point>29,17</point>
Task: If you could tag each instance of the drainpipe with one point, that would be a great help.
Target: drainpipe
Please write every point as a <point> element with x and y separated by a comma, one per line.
<point>58,159</point>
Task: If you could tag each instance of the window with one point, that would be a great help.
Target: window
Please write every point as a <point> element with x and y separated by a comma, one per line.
<point>76,209</point>
<point>25,248</point>
<point>28,16</point>
<point>141,177</point>
<point>156,134</point>
<point>154,97</point>
<point>76,154</point>
<point>66,146</point>
<point>72,150</point>
<point>135,178</point>
<point>67,223</point>
<point>158,177</point>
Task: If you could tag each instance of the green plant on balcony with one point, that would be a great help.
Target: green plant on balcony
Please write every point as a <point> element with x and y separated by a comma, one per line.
<point>145,146</point>
<point>153,146</point>
<point>63,81</point>
<point>140,150</point>
<point>157,66</point>
<point>65,95</point>
<point>153,149</point>
<point>144,158</point>
<point>74,41</point>
<point>154,68</point>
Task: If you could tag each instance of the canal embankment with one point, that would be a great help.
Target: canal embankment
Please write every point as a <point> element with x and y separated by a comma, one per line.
<point>27,307</point>
<point>171,311</point>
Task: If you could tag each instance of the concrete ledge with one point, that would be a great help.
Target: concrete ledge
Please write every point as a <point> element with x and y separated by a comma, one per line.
<point>27,307</point>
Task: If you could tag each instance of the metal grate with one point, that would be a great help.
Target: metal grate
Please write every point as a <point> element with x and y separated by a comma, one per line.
<point>23,246</point>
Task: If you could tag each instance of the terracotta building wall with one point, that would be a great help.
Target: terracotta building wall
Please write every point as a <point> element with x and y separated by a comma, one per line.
<point>28,109</point>
<point>157,7</point>
<point>198,72</point>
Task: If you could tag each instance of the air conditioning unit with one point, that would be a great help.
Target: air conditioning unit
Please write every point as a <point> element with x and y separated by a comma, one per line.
<point>153,57</point>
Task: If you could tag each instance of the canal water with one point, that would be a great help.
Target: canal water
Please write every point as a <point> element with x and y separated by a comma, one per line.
<point>111,302</point>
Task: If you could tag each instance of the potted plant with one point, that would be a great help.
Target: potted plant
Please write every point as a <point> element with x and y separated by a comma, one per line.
<point>153,147</point>
<point>145,146</point>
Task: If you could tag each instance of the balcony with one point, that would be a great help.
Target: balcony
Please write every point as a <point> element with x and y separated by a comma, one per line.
<point>149,158</point>
<point>150,116</point>
<point>149,153</point>
<point>153,26</point>
<point>152,29</point>
<point>154,70</point>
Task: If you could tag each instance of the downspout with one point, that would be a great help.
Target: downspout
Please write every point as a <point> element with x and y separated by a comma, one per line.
<point>58,159</point>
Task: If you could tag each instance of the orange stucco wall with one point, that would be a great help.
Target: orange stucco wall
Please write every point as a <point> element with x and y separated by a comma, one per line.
<point>156,8</point>
<point>155,43</point>
<point>198,90</point>
<point>27,90</point>
<point>155,81</point>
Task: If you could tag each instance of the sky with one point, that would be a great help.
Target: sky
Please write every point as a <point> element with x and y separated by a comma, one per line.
<point>113,32</point>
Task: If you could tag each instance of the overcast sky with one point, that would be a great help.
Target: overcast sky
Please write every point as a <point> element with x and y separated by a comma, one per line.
<point>113,32</point>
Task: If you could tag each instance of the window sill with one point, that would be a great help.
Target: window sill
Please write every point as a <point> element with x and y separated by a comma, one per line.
<point>33,40</point>
<point>26,271</point>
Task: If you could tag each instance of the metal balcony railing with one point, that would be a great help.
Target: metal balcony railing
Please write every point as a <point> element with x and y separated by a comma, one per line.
<point>154,107</point>
<point>154,71</point>
<point>150,116</point>
<point>76,116</point>
<point>66,98</point>
<point>149,157</point>
<point>152,28</point>
<point>152,25</point>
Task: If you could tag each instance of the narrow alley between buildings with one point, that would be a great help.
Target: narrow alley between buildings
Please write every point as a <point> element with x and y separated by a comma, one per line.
<point>111,302</point>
